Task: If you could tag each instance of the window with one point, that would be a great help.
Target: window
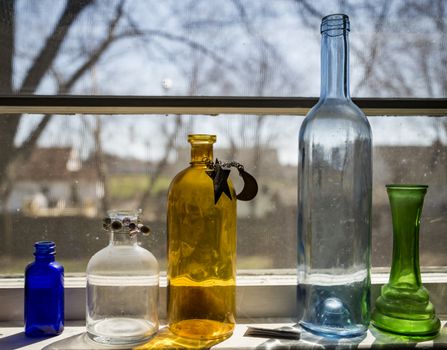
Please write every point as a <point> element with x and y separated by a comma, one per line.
<point>228,48</point>
<point>60,172</point>
<point>86,164</point>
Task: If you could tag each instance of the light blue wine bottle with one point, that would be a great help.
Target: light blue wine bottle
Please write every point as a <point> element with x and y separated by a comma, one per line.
<point>334,199</point>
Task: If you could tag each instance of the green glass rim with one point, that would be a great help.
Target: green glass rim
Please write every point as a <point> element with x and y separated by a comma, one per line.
<point>406,187</point>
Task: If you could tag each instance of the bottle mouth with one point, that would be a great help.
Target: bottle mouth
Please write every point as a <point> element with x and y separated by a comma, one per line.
<point>410,187</point>
<point>337,22</point>
<point>121,214</point>
<point>201,139</point>
<point>44,247</point>
<point>125,221</point>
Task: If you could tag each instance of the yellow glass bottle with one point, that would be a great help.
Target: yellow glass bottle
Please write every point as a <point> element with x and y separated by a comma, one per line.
<point>201,250</point>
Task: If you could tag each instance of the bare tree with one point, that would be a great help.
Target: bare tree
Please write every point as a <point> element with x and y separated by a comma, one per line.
<point>118,26</point>
<point>35,74</point>
<point>45,63</point>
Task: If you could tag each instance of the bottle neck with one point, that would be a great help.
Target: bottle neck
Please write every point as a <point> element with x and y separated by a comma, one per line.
<point>335,64</point>
<point>201,153</point>
<point>44,251</point>
<point>406,209</point>
<point>44,258</point>
<point>122,239</point>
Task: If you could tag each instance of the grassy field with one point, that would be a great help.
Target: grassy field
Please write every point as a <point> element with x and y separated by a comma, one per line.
<point>128,186</point>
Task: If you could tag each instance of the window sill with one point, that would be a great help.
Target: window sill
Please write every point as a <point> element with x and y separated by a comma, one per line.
<point>260,294</point>
<point>74,337</point>
<point>264,299</point>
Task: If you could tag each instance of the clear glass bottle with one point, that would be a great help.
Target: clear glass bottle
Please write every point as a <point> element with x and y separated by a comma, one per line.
<point>44,292</point>
<point>201,250</point>
<point>334,205</point>
<point>122,285</point>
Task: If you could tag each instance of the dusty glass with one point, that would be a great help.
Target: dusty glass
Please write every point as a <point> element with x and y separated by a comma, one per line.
<point>404,306</point>
<point>122,285</point>
<point>334,199</point>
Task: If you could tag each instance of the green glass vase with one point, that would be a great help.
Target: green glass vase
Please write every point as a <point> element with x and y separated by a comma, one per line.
<point>404,306</point>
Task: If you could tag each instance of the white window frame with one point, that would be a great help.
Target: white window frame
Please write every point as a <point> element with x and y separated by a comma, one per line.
<point>259,294</point>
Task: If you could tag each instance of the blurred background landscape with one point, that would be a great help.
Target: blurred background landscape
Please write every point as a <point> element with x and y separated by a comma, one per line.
<point>60,174</point>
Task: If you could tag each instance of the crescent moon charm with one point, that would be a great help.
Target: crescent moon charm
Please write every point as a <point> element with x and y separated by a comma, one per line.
<point>250,188</point>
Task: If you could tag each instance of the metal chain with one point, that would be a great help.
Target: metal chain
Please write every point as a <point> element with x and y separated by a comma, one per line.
<point>211,165</point>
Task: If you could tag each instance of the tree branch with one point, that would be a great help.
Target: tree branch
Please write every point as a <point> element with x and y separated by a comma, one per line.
<point>136,31</point>
<point>163,162</point>
<point>51,48</point>
<point>374,46</point>
<point>7,14</point>
<point>26,148</point>
<point>308,11</point>
<point>21,154</point>
<point>97,53</point>
<point>9,122</point>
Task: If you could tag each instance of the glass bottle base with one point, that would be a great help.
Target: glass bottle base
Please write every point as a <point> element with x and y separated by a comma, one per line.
<point>43,330</point>
<point>202,329</point>
<point>121,330</point>
<point>335,332</point>
<point>402,326</point>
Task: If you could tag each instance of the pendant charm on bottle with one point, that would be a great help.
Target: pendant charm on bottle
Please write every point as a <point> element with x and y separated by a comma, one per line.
<point>219,172</point>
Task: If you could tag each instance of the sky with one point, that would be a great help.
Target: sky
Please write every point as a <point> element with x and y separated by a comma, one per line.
<point>138,68</point>
<point>141,136</point>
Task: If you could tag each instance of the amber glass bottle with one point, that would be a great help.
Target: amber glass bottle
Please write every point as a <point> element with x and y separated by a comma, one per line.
<point>201,250</point>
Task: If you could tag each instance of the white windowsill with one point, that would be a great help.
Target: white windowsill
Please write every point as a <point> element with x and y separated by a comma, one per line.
<point>74,337</point>
<point>263,300</point>
<point>259,295</point>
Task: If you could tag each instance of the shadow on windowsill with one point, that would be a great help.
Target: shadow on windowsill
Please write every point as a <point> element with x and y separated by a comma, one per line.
<point>384,340</point>
<point>164,339</point>
<point>311,341</point>
<point>18,340</point>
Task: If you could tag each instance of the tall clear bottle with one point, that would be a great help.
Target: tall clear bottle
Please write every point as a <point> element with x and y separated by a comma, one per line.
<point>334,199</point>
<point>201,250</point>
<point>122,285</point>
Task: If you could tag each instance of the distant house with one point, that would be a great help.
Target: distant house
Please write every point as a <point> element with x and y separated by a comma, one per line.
<point>413,165</point>
<point>54,181</point>
<point>124,166</point>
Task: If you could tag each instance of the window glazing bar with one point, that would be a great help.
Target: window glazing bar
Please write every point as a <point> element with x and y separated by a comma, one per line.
<point>37,104</point>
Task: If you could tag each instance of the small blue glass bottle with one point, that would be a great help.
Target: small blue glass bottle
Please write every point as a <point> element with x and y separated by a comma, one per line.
<point>44,293</point>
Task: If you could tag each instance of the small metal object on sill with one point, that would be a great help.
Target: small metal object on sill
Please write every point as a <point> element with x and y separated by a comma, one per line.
<point>281,333</point>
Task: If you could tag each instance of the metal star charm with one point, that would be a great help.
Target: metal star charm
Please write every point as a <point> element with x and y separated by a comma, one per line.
<point>220,177</point>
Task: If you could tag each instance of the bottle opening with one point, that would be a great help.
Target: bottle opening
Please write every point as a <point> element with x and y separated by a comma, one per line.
<point>201,139</point>
<point>125,221</point>
<point>133,215</point>
<point>44,247</point>
<point>406,187</point>
<point>335,22</point>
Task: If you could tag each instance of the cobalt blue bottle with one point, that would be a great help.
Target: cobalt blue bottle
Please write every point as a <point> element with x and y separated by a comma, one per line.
<point>44,293</point>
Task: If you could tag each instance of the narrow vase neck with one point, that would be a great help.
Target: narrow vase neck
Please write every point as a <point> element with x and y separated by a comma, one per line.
<point>201,153</point>
<point>406,207</point>
<point>45,258</point>
<point>122,238</point>
<point>201,149</point>
<point>335,64</point>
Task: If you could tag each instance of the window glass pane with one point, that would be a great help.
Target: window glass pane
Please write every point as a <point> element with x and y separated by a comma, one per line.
<point>225,47</point>
<point>81,165</point>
